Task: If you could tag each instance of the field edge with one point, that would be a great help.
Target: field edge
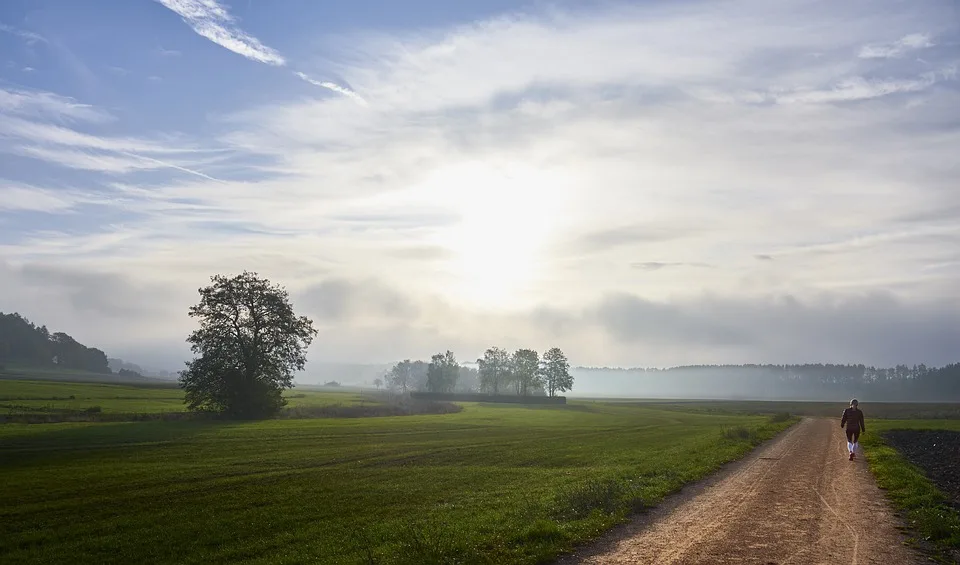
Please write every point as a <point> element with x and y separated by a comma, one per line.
<point>932,526</point>
<point>766,434</point>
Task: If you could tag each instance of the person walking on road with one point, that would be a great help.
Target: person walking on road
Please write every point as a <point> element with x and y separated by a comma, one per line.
<point>853,418</point>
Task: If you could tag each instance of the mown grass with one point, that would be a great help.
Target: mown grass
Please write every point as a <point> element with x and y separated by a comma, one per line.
<point>52,397</point>
<point>491,484</point>
<point>60,374</point>
<point>925,508</point>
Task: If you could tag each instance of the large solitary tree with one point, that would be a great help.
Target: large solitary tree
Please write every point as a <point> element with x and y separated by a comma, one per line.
<point>248,345</point>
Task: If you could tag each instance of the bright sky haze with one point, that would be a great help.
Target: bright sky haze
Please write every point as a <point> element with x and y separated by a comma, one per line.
<point>639,183</point>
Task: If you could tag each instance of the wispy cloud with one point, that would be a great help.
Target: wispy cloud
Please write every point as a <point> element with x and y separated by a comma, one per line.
<point>27,35</point>
<point>333,87</point>
<point>15,197</point>
<point>658,265</point>
<point>167,52</point>
<point>49,105</point>
<point>856,88</point>
<point>898,48</point>
<point>719,139</point>
<point>211,20</point>
<point>83,159</point>
<point>37,125</point>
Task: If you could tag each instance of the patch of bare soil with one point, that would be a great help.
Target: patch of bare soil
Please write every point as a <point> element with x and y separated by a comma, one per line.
<point>796,500</point>
<point>937,452</point>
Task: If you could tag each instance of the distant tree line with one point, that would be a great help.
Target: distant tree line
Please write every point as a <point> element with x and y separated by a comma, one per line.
<point>21,341</point>
<point>522,373</point>
<point>902,382</point>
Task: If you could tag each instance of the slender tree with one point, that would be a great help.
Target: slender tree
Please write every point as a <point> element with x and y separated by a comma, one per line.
<point>556,371</point>
<point>494,369</point>
<point>401,376</point>
<point>526,370</point>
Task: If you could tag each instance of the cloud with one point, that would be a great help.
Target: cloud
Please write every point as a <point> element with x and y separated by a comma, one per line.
<point>658,265</point>
<point>167,52</point>
<point>211,20</point>
<point>334,87</point>
<point>87,292</point>
<point>346,301</point>
<point>13,198</point>
<point>37,122</point>
<point>556,158</point>
<point>898,48</point>
<point>49,105</point>
<point>632,320</point>
<point>856,88</point>
<point>624,236</point>
<point>874,326</point>
<point>30,37</point>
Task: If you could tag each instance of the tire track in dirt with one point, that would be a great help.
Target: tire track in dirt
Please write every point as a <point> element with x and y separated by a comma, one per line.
<point>796,500</point>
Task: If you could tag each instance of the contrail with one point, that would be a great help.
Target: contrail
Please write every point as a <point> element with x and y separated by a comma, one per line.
<point>172,166</point>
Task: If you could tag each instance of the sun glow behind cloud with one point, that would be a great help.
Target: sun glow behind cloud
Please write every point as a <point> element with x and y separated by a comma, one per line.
<point>508,214</point>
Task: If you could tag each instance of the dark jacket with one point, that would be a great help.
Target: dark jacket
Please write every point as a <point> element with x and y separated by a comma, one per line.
<point>853,418</point>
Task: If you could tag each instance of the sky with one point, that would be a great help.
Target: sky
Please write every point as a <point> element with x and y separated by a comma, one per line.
<point>647,183</point>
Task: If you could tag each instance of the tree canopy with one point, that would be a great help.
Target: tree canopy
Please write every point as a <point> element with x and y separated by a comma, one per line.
<point>23,342</point>
<point>498,372</point>
<point>556,372</point>
<point>495,367</point>
<point>443,372</point>
<point>249,344</point>
<point>526,371</point>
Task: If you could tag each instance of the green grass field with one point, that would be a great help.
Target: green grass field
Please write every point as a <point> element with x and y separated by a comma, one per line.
<point>491,484</point>
<point>18,396</point>
<point>57,374</point>
<point>925,508</point>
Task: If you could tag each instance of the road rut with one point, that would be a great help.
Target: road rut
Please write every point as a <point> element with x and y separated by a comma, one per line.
<point>796,500</point>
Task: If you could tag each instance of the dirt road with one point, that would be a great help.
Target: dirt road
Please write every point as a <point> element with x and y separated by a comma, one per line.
<point>797,500</point>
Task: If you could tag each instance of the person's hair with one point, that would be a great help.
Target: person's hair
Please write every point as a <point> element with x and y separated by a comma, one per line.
<point>854,402</point>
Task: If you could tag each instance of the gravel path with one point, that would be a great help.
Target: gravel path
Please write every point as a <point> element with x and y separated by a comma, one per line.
<point>796,500</point>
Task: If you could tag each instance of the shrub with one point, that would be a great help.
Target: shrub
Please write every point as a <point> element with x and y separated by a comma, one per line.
<point>609,496</point>
<point>739,433</point>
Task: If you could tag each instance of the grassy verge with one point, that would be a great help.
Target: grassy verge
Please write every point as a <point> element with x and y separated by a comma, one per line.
<point>932,521</point>
<point>490,484</point>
